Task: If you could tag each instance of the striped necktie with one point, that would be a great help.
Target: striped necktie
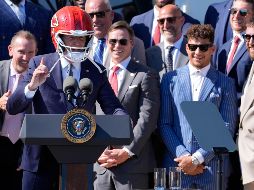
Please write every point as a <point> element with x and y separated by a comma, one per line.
<point>98,54</point>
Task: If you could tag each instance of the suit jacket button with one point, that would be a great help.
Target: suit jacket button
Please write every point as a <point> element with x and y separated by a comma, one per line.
<point>250,131</point>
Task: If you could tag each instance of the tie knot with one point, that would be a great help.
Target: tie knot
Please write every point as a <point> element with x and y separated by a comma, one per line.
<point>115,68</point>
<point>101,40</point>
<point>170,49</point>
<point>236,39</point>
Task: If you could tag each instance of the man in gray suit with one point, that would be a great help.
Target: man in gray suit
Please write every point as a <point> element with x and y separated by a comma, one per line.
<point>171,53</point>
<point>102,16</point>
<point>22,48</point>
<point>245,142</point>
<point>137,88</point>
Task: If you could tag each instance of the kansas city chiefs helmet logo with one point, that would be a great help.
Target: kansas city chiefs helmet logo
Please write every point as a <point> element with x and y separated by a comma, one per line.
<point>54,21</point>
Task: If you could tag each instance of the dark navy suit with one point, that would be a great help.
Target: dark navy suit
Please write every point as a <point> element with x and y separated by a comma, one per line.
<point>239,68</point>
<point>50,99</point>
<point>218,15</point>
<point>143,25</point>
<point>37,22</point>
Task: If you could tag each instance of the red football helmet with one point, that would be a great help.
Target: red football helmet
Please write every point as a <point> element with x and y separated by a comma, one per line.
<point>71,20</point>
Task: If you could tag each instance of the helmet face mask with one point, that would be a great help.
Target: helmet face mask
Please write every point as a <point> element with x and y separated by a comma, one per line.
<point>72,21</point>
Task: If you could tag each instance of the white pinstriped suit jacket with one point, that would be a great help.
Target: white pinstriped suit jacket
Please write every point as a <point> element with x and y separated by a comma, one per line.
<point>175,131</point>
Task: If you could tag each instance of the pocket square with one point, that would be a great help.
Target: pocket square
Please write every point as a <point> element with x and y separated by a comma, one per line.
<point>133,86</point>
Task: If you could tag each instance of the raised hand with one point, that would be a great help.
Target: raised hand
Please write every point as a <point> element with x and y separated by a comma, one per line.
<point>40,75</point>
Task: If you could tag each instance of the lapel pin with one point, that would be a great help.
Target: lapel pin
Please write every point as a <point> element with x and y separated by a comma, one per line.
<point>132,74</point>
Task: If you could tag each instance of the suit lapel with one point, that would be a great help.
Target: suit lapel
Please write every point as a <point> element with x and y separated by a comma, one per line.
<point>130,74</point>
<point>208,84</point>
<point>185,83</point>
<point>5,76</point>
<point>238,55</point>
<point>10,15</point>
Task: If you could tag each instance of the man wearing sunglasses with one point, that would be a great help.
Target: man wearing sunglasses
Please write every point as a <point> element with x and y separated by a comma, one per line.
<point>145,25</point>
<point>232,57</point>
<point>233,60</point>
<point>245,141</point>
<point>102,16</point>
<point>197,81</point>
<point>137,88</point>
<point>171,53</point>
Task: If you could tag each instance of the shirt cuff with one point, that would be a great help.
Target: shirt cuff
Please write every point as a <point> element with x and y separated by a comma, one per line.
<point>128,151</point>
<point>199,156</point>
<point>28,93</point>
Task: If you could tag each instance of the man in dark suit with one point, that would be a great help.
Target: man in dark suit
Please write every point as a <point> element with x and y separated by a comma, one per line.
<point>22,49</point>
<point>144,25</point>
<point>161,57</point>
<point>217,15</point>
<point>21,14</point>
<point>239,66</point>
<point>43,85</point>
<point>137,88</point>
<point>197,81</point>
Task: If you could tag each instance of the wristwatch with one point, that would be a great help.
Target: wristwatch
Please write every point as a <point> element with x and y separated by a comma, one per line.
<point>194,161</point>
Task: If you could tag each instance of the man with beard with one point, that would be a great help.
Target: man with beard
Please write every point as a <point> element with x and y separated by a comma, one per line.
<point>245,142</point>
<point>146,28</point>
<point>171,53</point>
<point>23,15</point>
<point>22,49</point>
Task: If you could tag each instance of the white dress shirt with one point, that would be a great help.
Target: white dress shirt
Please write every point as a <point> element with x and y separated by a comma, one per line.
<point>121,71</point>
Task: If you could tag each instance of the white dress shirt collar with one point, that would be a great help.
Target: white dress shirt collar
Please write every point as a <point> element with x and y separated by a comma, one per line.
<point>177,44</point>
<point>123,65</point>
<point>193,70</point>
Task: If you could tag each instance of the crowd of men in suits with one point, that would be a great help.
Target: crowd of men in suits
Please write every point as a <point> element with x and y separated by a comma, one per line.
<point>145,69</point>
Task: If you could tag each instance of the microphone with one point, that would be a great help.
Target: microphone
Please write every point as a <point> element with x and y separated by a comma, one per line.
<point>70,87</point>
<point>86,88</point>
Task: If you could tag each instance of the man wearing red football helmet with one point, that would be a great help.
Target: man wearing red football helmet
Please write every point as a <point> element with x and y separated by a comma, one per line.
<point>71,31</point>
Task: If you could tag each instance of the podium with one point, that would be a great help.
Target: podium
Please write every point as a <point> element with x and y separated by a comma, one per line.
<point>45,129</point>
<point>210,130</point>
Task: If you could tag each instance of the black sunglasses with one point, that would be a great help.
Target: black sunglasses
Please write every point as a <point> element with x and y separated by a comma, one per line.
<point>243,12</point>
<point>100,14</point>
<point>202,47</point>
<point>122,42</point>
<point>169,20</point>
<point>247,37</point>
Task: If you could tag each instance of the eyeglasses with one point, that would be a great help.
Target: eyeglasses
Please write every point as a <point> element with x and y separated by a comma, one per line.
<point>122,42</point>
<point>169,20</point>
<point>100,14</point>
<point>243,12</point>
<point>247,37</point>
<point>202,47</point>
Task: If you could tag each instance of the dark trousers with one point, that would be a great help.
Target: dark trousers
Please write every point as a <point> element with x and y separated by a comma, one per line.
<point>10,175</point>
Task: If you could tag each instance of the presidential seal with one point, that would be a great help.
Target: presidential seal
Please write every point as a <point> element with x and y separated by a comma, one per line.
<point>78,125</point>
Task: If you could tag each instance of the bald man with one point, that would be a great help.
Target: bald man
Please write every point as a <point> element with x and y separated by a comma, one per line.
<point>158,57</point>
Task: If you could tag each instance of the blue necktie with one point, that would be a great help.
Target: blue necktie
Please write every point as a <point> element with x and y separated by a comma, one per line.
<point>98,54</point>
